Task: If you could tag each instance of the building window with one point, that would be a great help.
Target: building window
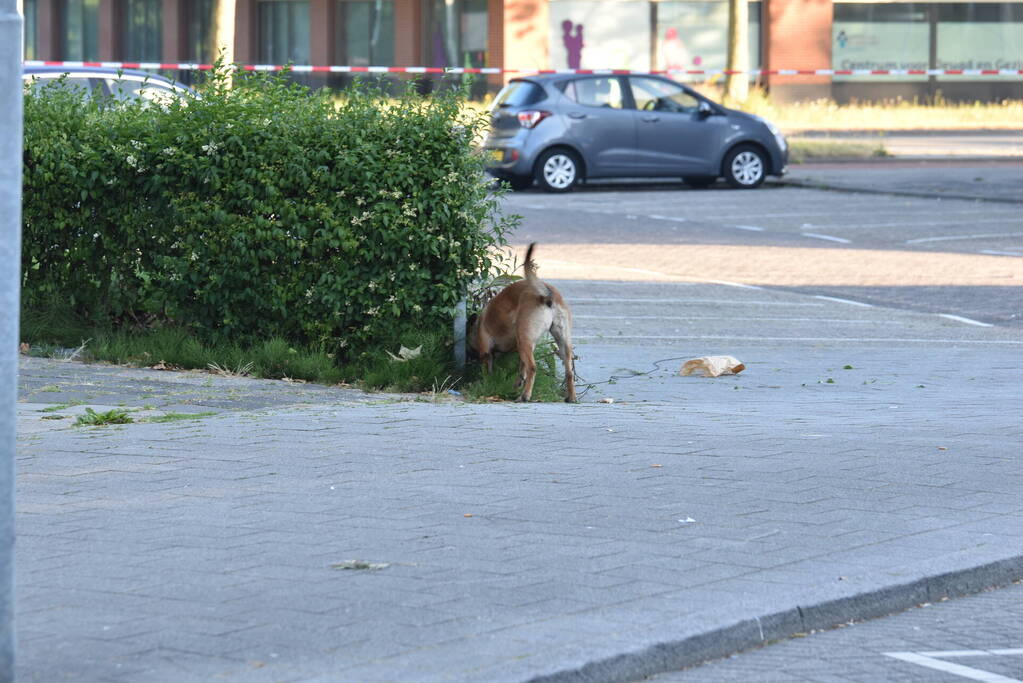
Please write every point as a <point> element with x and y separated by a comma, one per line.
<point>880,36</point>
<point>457,33</point>
<point>365,33</point>
<point>30,9</point>
<point>974,35</point>
<point>80,30</point>
<point>199,22</point>
<point>693,36</point>
<point>143,35</point>
<point>284,32</point>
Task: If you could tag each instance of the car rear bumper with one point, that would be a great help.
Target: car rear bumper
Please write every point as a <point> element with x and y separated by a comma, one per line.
<point>507,161</point>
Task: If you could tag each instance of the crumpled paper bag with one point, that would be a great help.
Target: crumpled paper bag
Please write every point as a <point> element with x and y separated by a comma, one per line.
<point>712,366</point>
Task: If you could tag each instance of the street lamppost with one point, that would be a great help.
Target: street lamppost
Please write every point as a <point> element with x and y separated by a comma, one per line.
<point>10,282</point>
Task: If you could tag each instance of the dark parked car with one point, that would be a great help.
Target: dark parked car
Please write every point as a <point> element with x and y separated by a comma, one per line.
<point>122,84</point>
<point>561,128</point>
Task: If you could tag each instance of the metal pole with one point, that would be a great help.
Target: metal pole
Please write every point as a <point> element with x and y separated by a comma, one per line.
<point>10,281</point>
<point>459,329</point>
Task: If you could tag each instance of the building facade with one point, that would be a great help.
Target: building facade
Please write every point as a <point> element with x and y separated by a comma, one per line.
<point>549,34</point>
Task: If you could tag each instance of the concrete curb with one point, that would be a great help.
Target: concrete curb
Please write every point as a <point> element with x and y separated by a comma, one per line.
<point>922,159</point>
<point>673,655</point>
<point>823,185</point>
<point>870,133</point>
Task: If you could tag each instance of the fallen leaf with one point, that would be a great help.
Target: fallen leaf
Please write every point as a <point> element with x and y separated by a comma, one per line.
<point>467,514</point>
<point>24,347</point>
<point>656,466</point>
<point>349,565</point>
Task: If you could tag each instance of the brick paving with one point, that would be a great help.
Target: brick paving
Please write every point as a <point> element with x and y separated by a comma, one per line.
<point>312,534</point>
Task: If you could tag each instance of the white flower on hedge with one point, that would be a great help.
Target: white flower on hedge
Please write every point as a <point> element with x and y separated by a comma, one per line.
<point>136,144</point>
<point>451,177</point>
<point>210,148</point>
<point>366,215</point>
<point>372,285</point>
<point>131,160</point>
<point>169,151</point>
<point>417,308</point>
<point>373,311</point>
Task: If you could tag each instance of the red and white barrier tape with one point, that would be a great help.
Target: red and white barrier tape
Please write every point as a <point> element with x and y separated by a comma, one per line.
<point>188,66</point>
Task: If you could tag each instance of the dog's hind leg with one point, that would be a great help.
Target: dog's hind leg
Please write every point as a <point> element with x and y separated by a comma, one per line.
<point>527,372</point>
<point>563,338</point>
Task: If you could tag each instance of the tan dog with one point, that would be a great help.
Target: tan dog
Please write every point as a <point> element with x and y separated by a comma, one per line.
<point>516,319</point>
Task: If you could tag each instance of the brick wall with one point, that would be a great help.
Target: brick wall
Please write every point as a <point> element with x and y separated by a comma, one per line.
<point>797,35</point>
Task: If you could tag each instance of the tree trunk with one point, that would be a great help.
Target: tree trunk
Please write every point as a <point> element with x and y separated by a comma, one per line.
<point>222,31</point>
<point>738,50</point>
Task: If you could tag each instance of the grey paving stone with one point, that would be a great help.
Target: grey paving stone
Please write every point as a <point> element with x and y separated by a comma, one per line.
<point>207,549</point>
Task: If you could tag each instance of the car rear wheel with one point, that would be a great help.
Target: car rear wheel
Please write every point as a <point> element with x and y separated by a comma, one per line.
<point>745,167</point>
<point>557,170</point>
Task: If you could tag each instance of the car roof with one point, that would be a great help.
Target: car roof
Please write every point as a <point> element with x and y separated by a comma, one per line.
<point>545,78</point>
<point>92,70</point>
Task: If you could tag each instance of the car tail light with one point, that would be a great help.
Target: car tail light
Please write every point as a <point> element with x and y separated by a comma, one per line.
<point>530,117</point>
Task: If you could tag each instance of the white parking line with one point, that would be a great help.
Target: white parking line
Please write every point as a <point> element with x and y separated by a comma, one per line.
<point>843,301</point>
<point>818,236</point>
<point>961,319</point>
<point>739,285</point>
<point>883,340</point>
<point>930,660</point>
<point>725,317</point>
<point>991,252</point>
<point>675,219</point>
<point>746,227</point>
<point>950,238</point>
<point>693,301</point>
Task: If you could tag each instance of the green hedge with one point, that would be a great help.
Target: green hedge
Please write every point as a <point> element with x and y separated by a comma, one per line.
<point>260,210</point>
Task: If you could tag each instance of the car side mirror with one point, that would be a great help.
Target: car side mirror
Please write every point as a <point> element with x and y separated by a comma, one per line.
<point>704,110</point>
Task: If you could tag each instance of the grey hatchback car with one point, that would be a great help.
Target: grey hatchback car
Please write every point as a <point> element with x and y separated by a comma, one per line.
<point>559,129</point>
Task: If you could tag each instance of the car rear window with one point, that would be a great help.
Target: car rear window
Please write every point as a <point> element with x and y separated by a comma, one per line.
<point>519,94</point>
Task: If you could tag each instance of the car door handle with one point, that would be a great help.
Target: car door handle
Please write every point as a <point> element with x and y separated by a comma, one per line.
<point>576,115</point>
<point>650,119</point>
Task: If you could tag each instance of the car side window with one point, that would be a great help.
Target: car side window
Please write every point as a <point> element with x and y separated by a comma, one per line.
<point>653,94</point>
<point>596,92</point>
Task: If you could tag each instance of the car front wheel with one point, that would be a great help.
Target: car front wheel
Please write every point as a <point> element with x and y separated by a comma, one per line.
<point>745,167</point>
<point>557,170</point>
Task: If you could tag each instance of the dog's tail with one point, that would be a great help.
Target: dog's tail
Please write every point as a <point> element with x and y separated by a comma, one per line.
<point>530,267</point>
